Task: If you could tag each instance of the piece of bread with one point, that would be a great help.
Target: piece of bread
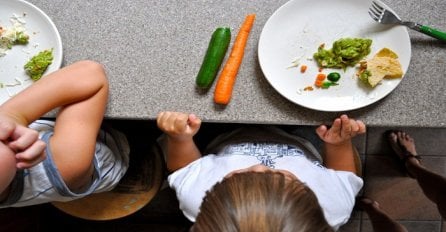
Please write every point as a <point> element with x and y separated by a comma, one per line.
<point>383,65</point>
<point>386,52</point>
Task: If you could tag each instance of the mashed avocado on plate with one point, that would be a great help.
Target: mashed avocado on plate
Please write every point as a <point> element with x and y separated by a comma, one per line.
<point>344,52</point>
<point>38,64</point>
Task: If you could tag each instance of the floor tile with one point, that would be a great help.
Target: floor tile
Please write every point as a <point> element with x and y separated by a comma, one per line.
<point>415,226</point>
<point>428,141</point>
<point>351,226</point>
<point>397,195</point>
<point>424,226</point>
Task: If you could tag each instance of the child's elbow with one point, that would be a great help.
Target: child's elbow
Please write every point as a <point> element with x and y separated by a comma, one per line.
<point>94,69</point>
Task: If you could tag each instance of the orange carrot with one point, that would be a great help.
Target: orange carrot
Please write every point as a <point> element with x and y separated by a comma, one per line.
<point>320,76</point>
<point>303,68</point>
<point>319,79</point>
<point>226,81</point>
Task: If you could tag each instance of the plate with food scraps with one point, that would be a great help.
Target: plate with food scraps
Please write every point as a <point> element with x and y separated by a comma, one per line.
<point>22,18</point>
<point>294,33</point>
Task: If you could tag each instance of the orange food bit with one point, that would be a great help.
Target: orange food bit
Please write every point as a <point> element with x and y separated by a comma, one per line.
<point>308,88</point>
<point>321,76</point>
<point>303,68</point>
<point>320,79</point>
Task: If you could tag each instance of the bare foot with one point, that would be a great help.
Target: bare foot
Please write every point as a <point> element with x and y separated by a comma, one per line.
<point>380,220</point>
<point>367,204</point>
<point>404,147</point>
<point>403,141</point>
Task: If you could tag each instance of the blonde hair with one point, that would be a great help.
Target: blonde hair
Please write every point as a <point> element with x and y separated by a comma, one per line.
<point>260,201</point>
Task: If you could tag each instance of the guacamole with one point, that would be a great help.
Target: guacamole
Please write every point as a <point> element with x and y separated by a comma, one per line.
<point>38,64</point>
<point>21,38</point>
<point>344,52</point>
<point>364,76</point>
<point>13,37</point>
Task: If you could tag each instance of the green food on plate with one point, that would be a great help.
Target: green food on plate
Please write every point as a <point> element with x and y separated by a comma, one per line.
<point>364,76</point>
<point>38,64</point>
<point>21,38</point>
<point>13,38</point>
<point>334,76</point>
<point>344,52</point>
<point>327,84</point>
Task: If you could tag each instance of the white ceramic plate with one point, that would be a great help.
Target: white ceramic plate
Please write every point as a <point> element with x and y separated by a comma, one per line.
<point>296,30</point>
<point>43,35</point>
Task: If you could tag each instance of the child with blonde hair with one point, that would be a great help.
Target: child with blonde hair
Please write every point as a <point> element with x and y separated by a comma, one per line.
<point>262,178</point>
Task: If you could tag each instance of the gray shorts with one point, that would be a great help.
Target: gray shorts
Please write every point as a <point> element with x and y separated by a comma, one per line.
<point>43,182</point>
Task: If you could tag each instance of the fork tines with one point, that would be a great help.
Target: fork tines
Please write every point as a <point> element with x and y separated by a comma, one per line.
<point>376,11</point>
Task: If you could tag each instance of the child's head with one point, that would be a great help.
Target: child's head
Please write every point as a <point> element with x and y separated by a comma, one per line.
<point>260,201</point>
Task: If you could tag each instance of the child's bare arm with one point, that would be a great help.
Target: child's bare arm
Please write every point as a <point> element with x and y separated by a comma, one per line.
<point>338,148</point>
<point>80,91</point>
<point>180,129</point>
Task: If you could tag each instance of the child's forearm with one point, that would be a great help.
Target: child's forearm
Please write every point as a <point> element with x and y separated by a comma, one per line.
<point>340,157</point>
<point>180,153</point>
<point>70,84</point>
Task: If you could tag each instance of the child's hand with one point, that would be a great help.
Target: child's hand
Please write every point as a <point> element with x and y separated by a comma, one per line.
<point>28,147</point>
<point>342,130</point>
<point>7,127</point>
<point>178,125</point>
<point>23,141</point>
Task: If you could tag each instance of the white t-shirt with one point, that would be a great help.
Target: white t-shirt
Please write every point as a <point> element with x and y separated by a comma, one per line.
<point>335,190</point>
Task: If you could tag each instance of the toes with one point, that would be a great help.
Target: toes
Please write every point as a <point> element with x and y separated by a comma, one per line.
<point>367,203</point>
<point>401,136</point>
<point>409,138</point>
<point>394,140</point>
<point>393,137</point>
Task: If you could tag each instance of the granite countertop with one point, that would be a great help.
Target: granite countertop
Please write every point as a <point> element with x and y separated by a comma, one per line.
<point>152,51</point>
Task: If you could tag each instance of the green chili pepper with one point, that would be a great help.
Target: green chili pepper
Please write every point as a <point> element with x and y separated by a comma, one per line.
<point>327,84</point>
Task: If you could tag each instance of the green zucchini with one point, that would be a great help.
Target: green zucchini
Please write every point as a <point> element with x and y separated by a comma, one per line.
<point>214,57</point>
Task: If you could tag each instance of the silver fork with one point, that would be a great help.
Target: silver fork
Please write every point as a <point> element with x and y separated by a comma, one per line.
<point>384,16</point>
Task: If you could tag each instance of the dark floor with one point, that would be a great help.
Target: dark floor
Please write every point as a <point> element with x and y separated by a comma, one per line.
<point>384,182</point>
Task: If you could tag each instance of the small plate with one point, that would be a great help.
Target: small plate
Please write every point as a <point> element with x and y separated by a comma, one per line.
<point>43,35</point>
<point>299,27</point>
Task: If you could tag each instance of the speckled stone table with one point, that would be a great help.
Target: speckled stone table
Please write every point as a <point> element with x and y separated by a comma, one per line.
<point>152,51</point>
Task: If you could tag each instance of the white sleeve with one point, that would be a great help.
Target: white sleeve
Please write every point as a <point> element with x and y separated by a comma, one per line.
<point>337,197</point>
<point>190,188</point>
